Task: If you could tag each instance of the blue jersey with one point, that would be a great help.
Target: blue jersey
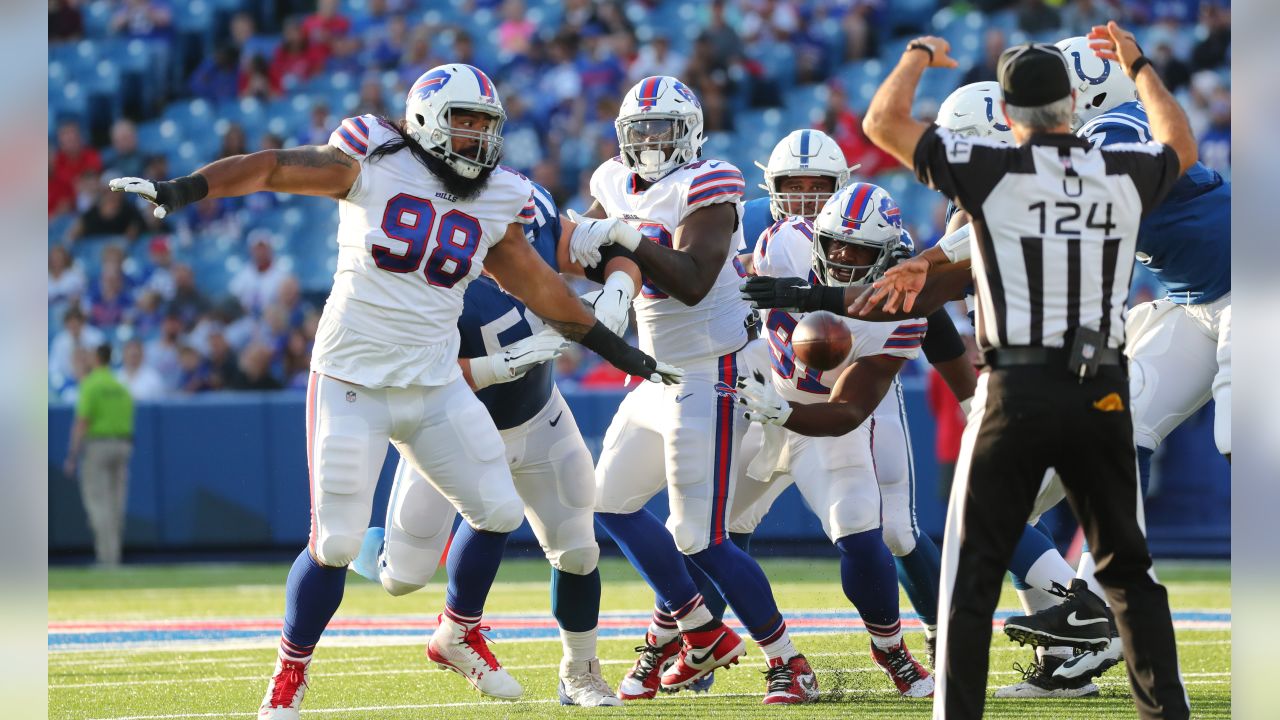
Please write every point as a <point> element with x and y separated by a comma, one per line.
<point>492,319</point>
<point>1186,241</point>
<point>756,218</point>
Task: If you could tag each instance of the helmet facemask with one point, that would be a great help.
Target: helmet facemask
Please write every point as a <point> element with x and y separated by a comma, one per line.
<point>807,203</point>
<point>653,145</point>
<point>481,143</point>
<point>860,262</point>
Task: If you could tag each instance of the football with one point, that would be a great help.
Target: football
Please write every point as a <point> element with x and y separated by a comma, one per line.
<point>822,341</point>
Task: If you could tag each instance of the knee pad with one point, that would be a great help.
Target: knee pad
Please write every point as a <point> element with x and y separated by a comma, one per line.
<point>849,516</point>
<point>577,561</point>
<point>397,588</point>
<point>900,540</point>
<point>503,518</point>
<point>337,550</point>
<point>690,537</point>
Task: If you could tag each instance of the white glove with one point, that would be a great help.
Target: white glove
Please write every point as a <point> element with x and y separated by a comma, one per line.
<point>612,305</point>
<point>140,186</point>
<point>593,233</point>
<point>516,359</point>
<point>764,403</point>
<point>666,374</point>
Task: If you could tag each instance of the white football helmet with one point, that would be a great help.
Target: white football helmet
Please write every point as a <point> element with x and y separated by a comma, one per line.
<point>803,152</point>
<point>972,111</point>
<point>435,95</point>
<point>659,127</point>
<point>1099,84</point>
<point>860,214</point>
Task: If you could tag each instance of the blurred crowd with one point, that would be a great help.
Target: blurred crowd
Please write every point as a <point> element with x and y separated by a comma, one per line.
<point>181,331</point>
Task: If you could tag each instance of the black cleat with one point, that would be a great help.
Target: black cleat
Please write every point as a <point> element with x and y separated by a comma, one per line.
<point>1083,622</point>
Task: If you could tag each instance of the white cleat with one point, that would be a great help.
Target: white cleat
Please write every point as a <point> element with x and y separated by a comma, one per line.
<point>585,686</point>
<point>465,651</point>
<point>284,692</point>
<point>1089,665</point>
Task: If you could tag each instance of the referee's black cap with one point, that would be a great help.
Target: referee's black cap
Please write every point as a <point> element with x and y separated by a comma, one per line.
<point>1033,74</point>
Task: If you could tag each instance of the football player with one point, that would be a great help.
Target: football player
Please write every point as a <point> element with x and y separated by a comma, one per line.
<point>820,427</point>
<point>423,208</point>
<point>687,440</point>
<point>501,357</point>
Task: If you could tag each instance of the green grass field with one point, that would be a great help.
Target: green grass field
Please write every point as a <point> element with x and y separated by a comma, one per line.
<point>355,678</point>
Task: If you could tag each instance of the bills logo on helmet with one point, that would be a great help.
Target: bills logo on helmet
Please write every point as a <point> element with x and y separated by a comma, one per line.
<point>890,211</point>
<point>1106,70</point>
<point>428,84</point>
<point>684,92</point>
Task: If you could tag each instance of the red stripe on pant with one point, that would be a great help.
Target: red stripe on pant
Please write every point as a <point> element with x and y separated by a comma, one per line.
<point>724,449</point>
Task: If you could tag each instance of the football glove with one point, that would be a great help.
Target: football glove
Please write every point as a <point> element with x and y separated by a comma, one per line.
<point>168,195</point>
<point>764,403</point>
<point>612,305</point>
<point>516,359</point>
<point>591,233</point>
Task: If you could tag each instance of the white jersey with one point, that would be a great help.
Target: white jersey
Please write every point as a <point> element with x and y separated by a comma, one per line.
<point>786,250</point>
<point>670,330</point>
<point>406,251</point>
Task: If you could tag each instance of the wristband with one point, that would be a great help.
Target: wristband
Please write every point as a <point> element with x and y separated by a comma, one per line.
<point>626,358</point>
<point>1137,66</point>
<point>185,190</point>
<point>957,246</point>
<point>819,297</point>
<point>482,372</point>
<point>917,45</point>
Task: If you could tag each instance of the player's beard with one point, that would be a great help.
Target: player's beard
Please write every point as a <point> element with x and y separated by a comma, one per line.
<point>456,185</point>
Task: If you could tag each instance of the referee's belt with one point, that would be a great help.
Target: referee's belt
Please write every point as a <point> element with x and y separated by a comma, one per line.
<point>1012,356</point>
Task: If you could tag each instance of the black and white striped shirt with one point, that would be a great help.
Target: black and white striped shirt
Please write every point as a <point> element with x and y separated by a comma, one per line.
<point>1055,226</point>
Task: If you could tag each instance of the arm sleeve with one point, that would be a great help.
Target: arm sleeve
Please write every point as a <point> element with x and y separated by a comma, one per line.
<point>965,169</point>
<point>1153,168</point>
<point>941,340</point>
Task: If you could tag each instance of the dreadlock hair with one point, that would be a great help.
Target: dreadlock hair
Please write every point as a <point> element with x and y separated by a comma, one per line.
<point>454,184</point>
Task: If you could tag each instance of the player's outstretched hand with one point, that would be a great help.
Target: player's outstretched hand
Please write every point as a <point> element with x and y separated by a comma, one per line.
<point>763,402</point>
<point>787,293</point>
<point>667,374</point>
<point>516,359</point>
<point>168,195</point>
<point>1112,42</point>
<point>612,304</point>
<point>901,284</point>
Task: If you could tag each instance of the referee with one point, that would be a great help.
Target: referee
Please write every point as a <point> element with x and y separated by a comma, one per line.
<point>1055,224</point>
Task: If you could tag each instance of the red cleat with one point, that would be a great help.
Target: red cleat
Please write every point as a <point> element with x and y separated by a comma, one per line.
<point>910,677</point>
<point>644,678</point>
<point>790,683</point>
<point>701,653</point>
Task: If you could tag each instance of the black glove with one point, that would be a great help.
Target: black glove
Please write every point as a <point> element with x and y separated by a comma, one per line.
<point>628,359</point>
<point>791,293</point>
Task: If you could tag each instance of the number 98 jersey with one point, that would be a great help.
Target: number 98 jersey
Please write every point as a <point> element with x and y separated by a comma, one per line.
<point>407,249</point>
<point>670,330</point>
<point>786,250</point>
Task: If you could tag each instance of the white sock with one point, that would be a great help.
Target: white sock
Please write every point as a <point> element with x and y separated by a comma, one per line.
<point>1086,573</point>
<point>1048,569</point>
<point>663,627</point>
<point>1035,600</point>
<point>695,615</point>
<point>579,648</point>
<point>887,642</point>
<point>1059,652</point>
<point>780,650</point>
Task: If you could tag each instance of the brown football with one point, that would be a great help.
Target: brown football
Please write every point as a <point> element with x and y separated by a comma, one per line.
<point>822,341</point>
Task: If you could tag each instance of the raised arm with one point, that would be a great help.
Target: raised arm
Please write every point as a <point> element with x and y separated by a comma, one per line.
<point>309,170</point>
<point>1169,125</point>
<point>889,123</point>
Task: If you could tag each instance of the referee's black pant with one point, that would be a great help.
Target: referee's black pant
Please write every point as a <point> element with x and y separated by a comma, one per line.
<point>1028,419</point>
